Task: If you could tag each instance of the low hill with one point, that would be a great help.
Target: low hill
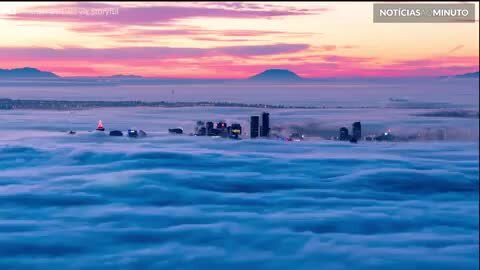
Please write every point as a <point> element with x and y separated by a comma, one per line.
<point>276,75</point>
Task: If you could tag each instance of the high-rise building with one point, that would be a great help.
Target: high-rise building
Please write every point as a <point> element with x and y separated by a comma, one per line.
<point>265,129</point>
<point>343,136</point>
<point>235,130</point>
<point>222,129</point>
<point>221,125</point>
<point>209,127</point>
<point>254,125</point>
<point>357,131</point>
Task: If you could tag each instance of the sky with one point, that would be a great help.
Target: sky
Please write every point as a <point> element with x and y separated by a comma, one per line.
<point>229,40</point>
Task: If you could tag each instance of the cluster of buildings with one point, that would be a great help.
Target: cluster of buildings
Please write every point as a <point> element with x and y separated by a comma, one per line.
<point>132,133</point>
<point>259,127</point>
<point>356,135</point>
<point>256,129</point>
<point>234,131</point>
<point>221,129</point>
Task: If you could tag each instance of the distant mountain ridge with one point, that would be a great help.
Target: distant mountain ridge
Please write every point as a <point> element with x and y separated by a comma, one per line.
<point>122,76</point>
<point>468,75</point>
<point>269,75</point>
<point>276,75</point>
<point>471,75</point>
<point>26,72</point>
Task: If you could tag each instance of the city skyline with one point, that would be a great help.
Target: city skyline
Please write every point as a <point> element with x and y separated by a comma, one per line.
<point>230,40</point>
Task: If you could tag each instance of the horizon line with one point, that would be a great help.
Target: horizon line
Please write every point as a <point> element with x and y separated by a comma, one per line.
<point>229,79</point>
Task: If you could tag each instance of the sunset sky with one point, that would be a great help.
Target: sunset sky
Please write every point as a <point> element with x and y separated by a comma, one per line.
<point>230,40</point>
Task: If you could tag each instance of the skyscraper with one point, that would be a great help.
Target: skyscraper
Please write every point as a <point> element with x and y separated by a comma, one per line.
<point>265,129</point>
<point>254,124</point>
<point>235,130</point>
<point>343,136</point>
<point>209,128</point>
<point>356,130</point>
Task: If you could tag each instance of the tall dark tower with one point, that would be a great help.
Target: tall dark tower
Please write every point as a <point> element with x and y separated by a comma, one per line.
<point>265,130</point>
<point>209,128</point>
<point>357,130</point>
<point>343,136</point>
<point>254,124</point>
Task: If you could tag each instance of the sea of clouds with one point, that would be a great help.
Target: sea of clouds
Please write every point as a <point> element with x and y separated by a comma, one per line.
<point>90,201</point>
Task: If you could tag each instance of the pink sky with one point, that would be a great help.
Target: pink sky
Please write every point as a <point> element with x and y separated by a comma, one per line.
<point>229,40</point>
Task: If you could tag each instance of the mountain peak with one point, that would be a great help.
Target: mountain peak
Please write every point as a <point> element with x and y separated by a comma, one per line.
<point>26,72</point>
<point>276,75</point>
